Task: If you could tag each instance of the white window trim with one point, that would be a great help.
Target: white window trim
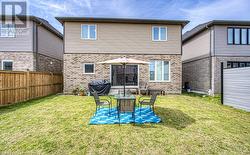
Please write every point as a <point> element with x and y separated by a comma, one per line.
<point>7,61</point>
<point>138,78</point>
<point>169,75</point>
<point>88,64</point>
<point>89,32</point>
<point>14,36</point>
<point>159,33</point>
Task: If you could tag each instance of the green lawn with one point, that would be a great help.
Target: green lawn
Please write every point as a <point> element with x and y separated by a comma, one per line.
<point>59,125</point>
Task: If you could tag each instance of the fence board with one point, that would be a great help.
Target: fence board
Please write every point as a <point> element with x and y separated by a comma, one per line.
<point>236,85</point>
<point>16,86</point>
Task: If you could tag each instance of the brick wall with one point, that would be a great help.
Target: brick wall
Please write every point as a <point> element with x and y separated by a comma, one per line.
<point>73,70</point>
<point>21,60</point>
<point>48,64</point>
<point>197,73</point>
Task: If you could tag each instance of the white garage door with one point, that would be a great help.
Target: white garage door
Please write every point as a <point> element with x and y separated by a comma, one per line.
<point>236,86</point>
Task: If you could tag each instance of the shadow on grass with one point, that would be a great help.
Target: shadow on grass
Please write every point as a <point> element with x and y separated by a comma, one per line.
<point>25,104</point>
<point>172,118</point>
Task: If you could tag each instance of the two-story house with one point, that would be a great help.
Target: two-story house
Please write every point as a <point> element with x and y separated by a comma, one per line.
<point>207,46</point>
<point>37,46</point>
<point>88,41</point>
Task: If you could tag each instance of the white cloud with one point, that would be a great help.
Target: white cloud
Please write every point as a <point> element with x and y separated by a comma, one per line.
<point>221,9</point>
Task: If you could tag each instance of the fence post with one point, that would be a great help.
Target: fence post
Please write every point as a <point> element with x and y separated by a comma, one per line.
<point>53,86</point>
<point>222,80</point>
<point>28,85</point>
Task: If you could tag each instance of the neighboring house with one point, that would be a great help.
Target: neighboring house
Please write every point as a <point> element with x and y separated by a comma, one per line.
<point>88,41</point>
<point>36,47</point>
<point>207,46</point>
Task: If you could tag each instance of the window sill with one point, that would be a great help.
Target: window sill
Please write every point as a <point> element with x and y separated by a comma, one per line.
<point>159,81</point>
<point>88,39</point>
<point>88,73</point>
<point>159,40</point>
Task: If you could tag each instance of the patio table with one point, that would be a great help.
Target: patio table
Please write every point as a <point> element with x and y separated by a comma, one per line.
<point>125,103</point>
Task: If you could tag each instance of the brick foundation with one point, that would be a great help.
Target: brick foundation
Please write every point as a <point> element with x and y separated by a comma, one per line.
<point>48,64</point>
<point>22,61</point>
<point>73,70</point>
<point>197,74</point>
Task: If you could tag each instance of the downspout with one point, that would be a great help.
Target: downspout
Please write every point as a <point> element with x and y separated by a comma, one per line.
<point>210,61</point>
<point>36,50</point>
<point>181,60</point>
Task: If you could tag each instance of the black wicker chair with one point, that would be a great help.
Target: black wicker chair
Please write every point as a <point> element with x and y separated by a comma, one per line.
<point>102,102</point>
<point>148,101</point>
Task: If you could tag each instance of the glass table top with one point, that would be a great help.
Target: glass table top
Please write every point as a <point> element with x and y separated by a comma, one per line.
<point>127,96</point>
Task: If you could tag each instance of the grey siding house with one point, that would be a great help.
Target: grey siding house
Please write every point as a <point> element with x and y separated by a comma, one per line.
<point>88,41</point>
<point>209,44</point>
<point>36,47</point>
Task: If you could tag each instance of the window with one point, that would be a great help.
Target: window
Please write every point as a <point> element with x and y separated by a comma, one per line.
<point>7,30</point>
<point>237,64</point>
<point>7,65</point>
<point>238,36</point>
<point>131,76</point>
<point>159,71</point>
<point>244,36</point>
<point>230,36</point>
<point>88,32</point>
<point>159,33</point>
<point>248,36</point>
<point>89,68</point>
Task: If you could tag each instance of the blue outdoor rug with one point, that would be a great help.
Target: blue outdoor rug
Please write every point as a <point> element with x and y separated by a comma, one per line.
<point>103,117</point>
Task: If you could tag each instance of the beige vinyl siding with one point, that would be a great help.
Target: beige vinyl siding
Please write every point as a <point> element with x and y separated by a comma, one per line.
<point>122,38</point>
<point>221,47</point>
<point>49,44</point>
<point>197,46</point>
<point>22,41</point>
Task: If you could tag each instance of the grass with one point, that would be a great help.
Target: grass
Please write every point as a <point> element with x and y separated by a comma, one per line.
<point>59,125</point>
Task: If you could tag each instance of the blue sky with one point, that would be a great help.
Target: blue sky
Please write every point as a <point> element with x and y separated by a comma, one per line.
<point>197,11</point>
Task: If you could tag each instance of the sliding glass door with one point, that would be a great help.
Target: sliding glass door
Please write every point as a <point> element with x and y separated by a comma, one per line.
<point>131,75</point>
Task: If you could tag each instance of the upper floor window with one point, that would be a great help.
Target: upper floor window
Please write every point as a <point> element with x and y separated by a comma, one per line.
<point>244,36</point>
<point>7,65</point>
<point>230,36</point>
<point>159,71</point>
<point>7,30</point>
<point>238,36</point>
<point>159,33</point>
<point>88,32</point>
<point>248,36</point>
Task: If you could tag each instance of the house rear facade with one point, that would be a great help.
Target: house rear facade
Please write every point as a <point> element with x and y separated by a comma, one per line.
<point>88,41</point>
<point>36,47</point>
<point>207,46</point>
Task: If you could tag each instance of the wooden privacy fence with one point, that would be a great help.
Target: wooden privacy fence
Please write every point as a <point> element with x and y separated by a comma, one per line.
<point>18,86</point>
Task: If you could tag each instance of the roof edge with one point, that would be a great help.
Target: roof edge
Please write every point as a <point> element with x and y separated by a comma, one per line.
<point>122,20</point>
<point>38,20</point>
<point>194,32</point>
